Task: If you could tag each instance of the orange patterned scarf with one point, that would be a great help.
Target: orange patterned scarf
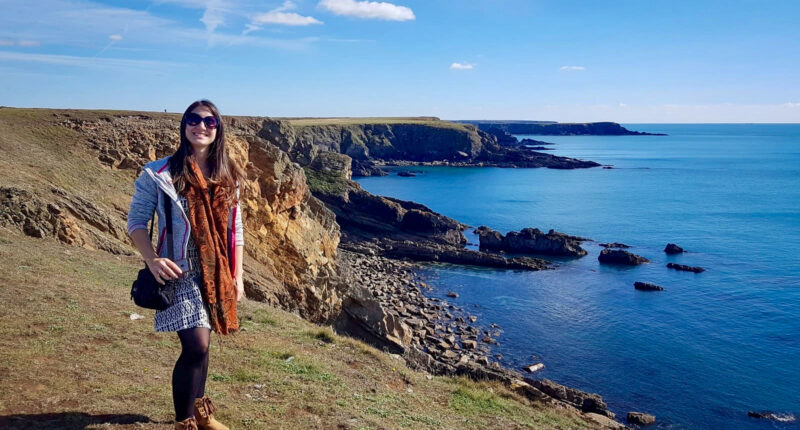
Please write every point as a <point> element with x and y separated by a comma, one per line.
<point>208,217</point>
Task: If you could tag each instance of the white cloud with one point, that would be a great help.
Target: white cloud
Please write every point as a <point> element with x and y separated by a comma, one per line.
<point>214,15</point>
<point>115,37</point>
<point>285,18</point>
<point>280,16</point>
<point>573,68</point>
<point>81,24</point>
<point>462,66</point>
<point>214,11</point>
<point>91,62</point>
<point>368,9</point>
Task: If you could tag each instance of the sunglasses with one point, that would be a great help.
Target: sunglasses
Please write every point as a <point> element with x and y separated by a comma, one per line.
<point>194,119</point>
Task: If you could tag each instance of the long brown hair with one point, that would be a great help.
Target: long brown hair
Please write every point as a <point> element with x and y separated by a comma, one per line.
<point>226,174</point>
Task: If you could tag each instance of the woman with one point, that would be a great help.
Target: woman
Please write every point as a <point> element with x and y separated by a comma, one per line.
<point>201,182</point>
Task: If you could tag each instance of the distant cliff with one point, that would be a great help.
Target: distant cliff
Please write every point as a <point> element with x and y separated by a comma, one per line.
<point>375,142</point>
<point>545,128</point>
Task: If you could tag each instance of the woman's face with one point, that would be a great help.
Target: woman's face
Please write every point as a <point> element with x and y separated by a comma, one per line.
<point>200,136</point>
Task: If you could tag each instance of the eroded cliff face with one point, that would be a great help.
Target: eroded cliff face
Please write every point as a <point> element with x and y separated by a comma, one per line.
<point>290,236</point>
<point>371,145</point>
<point>411,142</point>
<point>545,128</point>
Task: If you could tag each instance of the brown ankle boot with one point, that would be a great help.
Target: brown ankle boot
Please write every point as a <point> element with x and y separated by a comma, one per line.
<point>187,424</point>
<point>204,412</point>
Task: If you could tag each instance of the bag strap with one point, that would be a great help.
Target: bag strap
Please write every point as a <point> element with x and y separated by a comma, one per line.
<point>168,211</point>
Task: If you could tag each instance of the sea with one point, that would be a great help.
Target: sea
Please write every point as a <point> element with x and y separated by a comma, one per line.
<point>698,355</point>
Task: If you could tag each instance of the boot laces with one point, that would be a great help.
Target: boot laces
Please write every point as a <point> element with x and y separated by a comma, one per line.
<point>208,407</point>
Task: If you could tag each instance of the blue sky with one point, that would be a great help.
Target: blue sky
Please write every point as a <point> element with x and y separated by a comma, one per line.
<point>618,60</point>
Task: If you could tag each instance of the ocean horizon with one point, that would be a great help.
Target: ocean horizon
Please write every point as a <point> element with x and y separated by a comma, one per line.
<point>700,354</point>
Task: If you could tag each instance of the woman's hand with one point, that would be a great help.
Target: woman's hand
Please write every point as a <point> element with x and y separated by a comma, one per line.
<point>239,288</point>
<point>163,269</point>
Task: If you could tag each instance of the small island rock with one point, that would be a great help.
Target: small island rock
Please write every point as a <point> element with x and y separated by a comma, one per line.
<point>646,286</point>
<point>618,256</point>
<point>671,249</point>
<point>685,268</point>
<point>614,245</point>
<point>531,241</point>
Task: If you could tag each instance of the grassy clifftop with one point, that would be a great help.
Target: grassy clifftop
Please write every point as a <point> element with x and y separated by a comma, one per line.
<point>71,357</point>
<point>343,121</point>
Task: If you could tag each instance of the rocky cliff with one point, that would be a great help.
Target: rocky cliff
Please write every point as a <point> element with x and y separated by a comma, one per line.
<point>93,157</point>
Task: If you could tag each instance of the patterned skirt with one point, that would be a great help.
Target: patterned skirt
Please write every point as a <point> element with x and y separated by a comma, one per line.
<point>188,309</point>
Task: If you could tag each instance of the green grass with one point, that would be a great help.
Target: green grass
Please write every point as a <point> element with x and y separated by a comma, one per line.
<point>319,122</point>
<point>320,182</point>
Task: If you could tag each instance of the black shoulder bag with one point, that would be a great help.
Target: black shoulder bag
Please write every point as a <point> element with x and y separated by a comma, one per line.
<point>146,291</point>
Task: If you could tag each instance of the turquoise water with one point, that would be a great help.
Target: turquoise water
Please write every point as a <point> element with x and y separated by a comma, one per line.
<point>698,355</point>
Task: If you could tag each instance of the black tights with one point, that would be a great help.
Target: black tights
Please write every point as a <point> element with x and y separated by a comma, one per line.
<point>191,369</point>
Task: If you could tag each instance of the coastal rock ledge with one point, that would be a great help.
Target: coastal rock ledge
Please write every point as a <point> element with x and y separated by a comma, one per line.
<point>685,268</point>
<point>531,241</point>
<point>646,286</point>
<point>641,419</point>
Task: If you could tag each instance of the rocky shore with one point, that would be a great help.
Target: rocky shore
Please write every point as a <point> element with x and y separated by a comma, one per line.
<point>387,306</point>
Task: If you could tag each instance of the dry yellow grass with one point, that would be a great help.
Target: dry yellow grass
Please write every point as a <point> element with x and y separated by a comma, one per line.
<point>429,121</point>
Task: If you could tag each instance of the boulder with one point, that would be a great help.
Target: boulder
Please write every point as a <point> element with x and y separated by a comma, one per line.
<point>671,249</point>
<point>618,256</point>
<point>646,286</point>
<point>604,422</point>
<point>367,319</point>
<point>586,402</point>
<point>534,241</point>
<point>685,268</point>
<point>641,419</point>
<point>534,367</point>
<point>490,240</point>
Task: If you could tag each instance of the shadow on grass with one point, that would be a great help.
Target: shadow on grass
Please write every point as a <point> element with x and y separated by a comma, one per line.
<point>68,420</point>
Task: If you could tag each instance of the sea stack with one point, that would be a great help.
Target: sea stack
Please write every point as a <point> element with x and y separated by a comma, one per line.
<point>671,249</point>
<point>618,256</point>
